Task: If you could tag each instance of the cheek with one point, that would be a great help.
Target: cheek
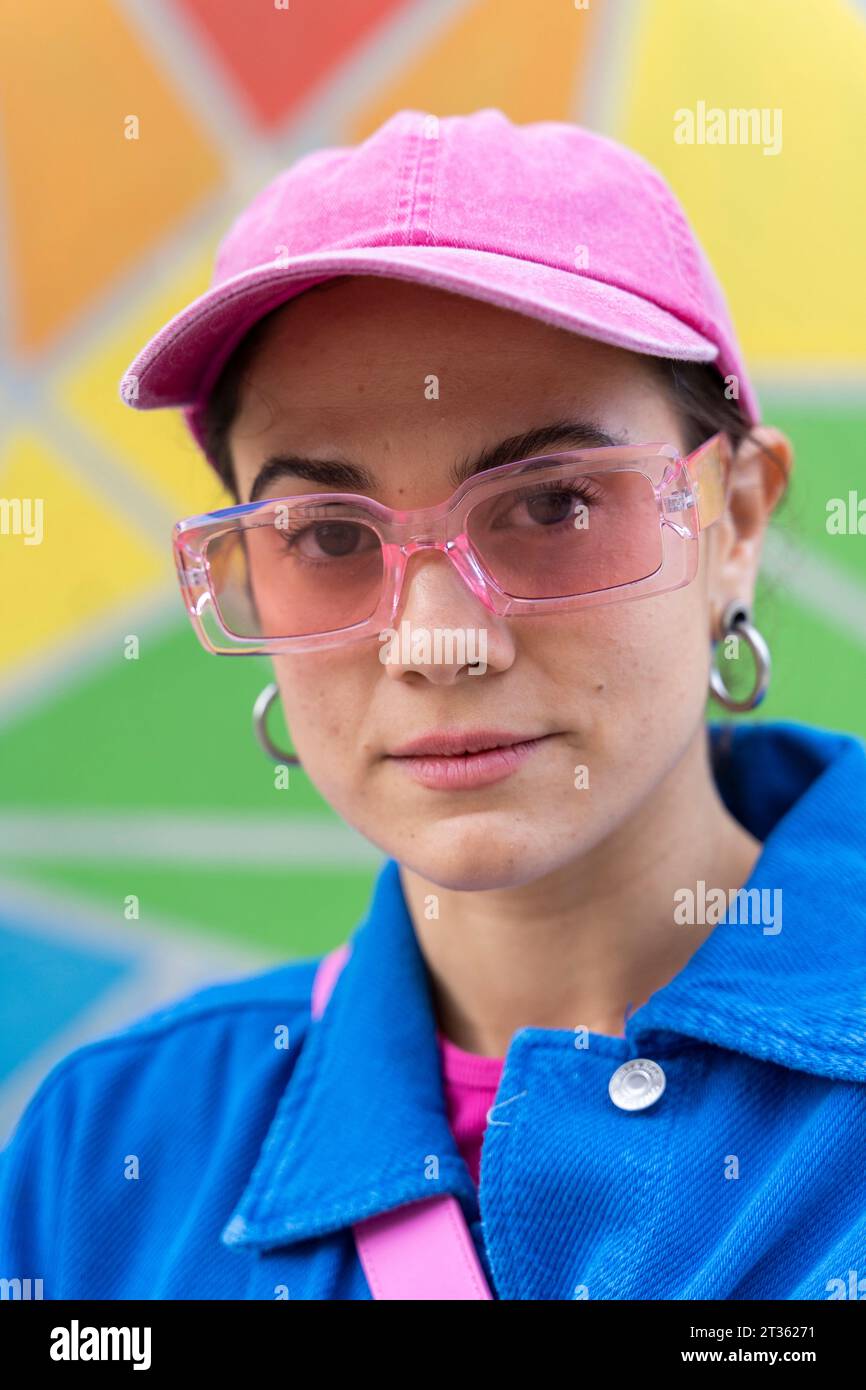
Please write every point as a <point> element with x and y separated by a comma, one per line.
<point>324,699</point>
<point>669,651</point>
<point>633,669</point>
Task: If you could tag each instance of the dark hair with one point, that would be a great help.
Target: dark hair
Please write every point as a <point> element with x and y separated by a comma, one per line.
<point>696,389</point>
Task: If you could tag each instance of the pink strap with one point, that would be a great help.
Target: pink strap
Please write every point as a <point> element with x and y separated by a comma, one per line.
<point>326,975</point>
<point>422,1250</point>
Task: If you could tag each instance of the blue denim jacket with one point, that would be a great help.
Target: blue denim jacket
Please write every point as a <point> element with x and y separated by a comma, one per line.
<point>222,1147</point>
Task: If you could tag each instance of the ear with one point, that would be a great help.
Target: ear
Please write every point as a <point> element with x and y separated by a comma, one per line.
<point>759,475</point>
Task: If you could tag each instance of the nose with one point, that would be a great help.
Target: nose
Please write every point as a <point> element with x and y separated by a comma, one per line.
<point>441,628</point>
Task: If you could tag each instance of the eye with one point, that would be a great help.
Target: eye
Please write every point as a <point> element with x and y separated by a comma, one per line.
<point>329,540</point>
<point>548,508</point>
<point>549,504</point>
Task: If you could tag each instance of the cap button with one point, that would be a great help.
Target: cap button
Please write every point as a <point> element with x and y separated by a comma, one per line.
<point>636,1084</point>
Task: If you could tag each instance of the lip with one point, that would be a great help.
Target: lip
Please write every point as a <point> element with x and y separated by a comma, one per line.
<point>458,771</point>
<point>446,742</point>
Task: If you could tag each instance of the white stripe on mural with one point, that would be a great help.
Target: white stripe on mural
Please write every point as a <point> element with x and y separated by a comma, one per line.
<point>305,843</point>
<point>830,593</point>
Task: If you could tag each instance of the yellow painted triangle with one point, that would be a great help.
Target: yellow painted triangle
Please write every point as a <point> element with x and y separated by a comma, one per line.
<point>153,445</point>
<point>785,231</point>
<point>66,558</point>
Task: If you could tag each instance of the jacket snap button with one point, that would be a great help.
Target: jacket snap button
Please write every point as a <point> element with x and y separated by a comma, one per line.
<point>636,1084</point>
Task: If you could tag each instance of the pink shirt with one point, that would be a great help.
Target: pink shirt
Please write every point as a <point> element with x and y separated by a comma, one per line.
<point>470,1083</point>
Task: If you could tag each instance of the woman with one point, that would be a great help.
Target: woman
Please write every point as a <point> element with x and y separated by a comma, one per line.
<point>623,949</point>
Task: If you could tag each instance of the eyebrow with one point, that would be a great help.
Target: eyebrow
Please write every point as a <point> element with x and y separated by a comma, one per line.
<point>350,477</point>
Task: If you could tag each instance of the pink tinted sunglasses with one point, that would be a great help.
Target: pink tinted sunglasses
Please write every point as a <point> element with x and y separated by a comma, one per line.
<point>319,570</point>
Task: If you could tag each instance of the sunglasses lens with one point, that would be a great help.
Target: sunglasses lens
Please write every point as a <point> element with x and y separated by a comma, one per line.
<point>306,570</point>
<point>570,533</point>
<point>295,575</point>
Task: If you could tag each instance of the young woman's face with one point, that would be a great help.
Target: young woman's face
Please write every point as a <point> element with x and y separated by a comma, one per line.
<point>619,689</point>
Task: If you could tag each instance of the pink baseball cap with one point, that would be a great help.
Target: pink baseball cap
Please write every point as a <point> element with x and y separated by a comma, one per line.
<point>546,219</point>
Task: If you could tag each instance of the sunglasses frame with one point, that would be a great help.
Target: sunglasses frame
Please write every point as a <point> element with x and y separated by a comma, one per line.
<point>690,491</point>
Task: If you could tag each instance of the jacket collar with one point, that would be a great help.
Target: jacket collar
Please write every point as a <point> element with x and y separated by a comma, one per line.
<point>796,996</point>
<point>362,1126</point>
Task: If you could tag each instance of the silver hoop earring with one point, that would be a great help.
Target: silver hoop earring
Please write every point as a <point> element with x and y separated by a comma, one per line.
<point>736,620</point>
<point>260,726</point>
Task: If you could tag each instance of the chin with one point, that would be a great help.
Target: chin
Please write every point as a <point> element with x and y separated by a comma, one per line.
<point>479,853</point>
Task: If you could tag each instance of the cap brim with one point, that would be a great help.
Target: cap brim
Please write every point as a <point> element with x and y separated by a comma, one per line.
<point>183,360</point>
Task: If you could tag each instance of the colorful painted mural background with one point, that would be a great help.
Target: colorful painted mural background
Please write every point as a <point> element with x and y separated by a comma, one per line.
<point>138,781</point>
